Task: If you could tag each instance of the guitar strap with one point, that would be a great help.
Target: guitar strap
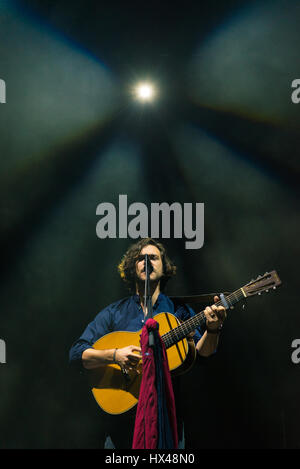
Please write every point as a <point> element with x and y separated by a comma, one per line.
<point>204,300</point>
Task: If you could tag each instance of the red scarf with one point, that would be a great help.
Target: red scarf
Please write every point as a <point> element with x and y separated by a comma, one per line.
<point>155,422</point>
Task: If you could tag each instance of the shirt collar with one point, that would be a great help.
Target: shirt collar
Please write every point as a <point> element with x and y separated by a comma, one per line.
<point>160,297</point>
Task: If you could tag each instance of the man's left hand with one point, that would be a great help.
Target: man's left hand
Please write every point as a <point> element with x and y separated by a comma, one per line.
<point>215,316</point>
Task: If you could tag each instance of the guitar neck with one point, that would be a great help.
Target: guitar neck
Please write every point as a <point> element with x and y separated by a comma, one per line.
<point>183,330</point>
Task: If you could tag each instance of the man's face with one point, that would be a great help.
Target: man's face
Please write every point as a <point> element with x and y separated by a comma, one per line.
<point>156,261</point>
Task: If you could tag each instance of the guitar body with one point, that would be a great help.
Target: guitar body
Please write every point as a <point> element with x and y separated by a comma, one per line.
<point>116,391</point>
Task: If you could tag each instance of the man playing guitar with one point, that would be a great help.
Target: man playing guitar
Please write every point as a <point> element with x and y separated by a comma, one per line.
<point>130,314</point>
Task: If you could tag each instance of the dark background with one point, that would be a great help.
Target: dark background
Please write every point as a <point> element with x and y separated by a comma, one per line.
<point>223,131</point>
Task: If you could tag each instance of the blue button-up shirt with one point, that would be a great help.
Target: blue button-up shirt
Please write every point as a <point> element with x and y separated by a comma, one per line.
<point>125,315</point>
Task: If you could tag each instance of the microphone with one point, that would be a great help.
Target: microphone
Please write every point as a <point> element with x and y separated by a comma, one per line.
<point>148,265</point>
<point>148,299</point>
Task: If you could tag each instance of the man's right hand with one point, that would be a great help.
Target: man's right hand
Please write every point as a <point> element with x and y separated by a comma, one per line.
<point>126,357</point>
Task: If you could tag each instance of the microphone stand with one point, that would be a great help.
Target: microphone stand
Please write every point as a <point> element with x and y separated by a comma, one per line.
<point>148,297</point>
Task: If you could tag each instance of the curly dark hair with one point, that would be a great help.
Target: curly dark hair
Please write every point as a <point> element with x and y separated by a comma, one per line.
<point>127,267</point>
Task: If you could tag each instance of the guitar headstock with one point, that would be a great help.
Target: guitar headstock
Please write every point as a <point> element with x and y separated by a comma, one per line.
<point>263,283</point>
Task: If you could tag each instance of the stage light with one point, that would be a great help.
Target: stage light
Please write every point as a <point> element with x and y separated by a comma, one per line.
<point>144,92</point>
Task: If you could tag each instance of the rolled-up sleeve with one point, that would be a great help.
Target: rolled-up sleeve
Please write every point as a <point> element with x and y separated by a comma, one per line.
<point>100,326</point>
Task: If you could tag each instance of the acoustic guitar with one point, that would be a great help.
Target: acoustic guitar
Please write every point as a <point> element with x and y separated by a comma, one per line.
<point>116,390</point>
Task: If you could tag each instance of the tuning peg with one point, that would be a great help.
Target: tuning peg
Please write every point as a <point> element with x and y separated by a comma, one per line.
<point>259,293</point>
<point>274,288</point>
<point>267,291</point>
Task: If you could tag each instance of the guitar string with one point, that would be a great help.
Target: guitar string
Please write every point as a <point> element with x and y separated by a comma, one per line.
<point>175,335</point>
<point>179,332</point>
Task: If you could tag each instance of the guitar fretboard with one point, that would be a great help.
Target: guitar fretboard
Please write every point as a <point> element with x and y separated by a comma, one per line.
<point>180,332</point>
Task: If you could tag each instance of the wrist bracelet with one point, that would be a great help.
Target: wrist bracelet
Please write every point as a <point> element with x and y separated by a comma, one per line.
<point>214,331</point>
<point>114,357</point>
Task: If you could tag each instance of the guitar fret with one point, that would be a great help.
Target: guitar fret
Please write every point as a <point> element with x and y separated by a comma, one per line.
<point>181,331</point>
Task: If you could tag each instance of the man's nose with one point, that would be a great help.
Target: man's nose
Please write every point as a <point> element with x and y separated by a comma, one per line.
<point>144,263</point>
